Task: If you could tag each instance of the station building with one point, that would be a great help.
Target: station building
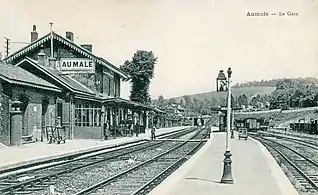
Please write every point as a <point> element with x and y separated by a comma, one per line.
<point>18,84</point>
<point>75,85</point>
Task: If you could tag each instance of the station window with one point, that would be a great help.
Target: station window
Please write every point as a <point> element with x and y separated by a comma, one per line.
<point>115,88</point>
<point>87,115</point>
<point>109,86</point>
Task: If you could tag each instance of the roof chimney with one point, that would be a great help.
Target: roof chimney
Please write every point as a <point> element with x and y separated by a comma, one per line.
<point>69,35</point>
<point>88,47</point>
<point>34,34</point>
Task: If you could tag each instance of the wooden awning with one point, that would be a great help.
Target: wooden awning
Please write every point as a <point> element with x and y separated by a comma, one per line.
<point>117,101</point>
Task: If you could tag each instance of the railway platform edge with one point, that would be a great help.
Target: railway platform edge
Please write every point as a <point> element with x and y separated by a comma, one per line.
<point>284,184</point>
<point>182,171</point>
<point>254,171</point>
<point>30,154</point>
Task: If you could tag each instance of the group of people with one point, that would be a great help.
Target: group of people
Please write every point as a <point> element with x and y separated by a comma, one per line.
<point>131,128</point>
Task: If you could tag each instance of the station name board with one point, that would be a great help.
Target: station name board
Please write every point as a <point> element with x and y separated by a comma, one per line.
<point>76,65</point>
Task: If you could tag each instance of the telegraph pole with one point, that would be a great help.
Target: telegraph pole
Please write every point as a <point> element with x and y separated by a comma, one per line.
<point>7,46</point>
<point>7,43</point>
<point>51,32</point>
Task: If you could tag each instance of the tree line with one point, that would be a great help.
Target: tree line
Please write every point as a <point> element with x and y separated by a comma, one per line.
<point>289,93</point>
<point>295,92</point>
<point>273,82</point>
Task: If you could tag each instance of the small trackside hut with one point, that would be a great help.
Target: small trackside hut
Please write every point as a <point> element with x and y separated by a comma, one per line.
<point>89,103</point>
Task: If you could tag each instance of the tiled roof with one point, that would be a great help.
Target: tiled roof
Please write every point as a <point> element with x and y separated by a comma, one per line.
<point>70,44</point>
<point>69,80</point>
<point>115,67</point>
<point>17,75</point>
<point>55,74</point>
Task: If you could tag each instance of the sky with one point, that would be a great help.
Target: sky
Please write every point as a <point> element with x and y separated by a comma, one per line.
<point>193,39</point>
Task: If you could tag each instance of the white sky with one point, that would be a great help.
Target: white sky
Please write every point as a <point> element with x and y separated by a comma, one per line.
<point>193,39</point>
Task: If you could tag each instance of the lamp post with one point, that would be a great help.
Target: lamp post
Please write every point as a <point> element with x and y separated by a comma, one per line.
<point>224,84</point>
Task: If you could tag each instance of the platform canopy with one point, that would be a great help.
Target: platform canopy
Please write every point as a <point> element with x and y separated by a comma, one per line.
<point>224,108</point>
<point>117,101</point>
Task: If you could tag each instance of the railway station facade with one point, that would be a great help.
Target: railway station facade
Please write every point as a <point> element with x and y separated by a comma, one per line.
<point>86,95</point>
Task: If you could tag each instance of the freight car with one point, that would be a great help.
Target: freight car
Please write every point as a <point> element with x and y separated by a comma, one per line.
<point>305,127</point>
<point>251,124</point>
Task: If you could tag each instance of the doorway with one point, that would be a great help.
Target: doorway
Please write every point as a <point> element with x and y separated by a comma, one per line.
<point>24,105</point>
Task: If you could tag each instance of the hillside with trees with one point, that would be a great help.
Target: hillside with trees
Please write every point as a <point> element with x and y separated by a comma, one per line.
<point>294,93</point>
<point>273,82</point>
<point>255,95</point>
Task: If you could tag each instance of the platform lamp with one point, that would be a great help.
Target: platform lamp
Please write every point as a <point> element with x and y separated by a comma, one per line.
<point>223,84</point>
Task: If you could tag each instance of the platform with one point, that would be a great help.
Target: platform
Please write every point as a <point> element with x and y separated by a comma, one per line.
<point>254,171</point>
<point>41,151</point>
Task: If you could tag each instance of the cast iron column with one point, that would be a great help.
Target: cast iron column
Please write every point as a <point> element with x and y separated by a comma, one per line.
<point>227,170</point>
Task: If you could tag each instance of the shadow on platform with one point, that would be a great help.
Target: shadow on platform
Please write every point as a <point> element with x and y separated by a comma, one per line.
<point>201,179</point>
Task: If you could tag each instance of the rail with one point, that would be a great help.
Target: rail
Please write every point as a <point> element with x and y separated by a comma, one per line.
<point>146,187</point>
<point>117,176</point>
<point>13,186</point>
<point>290,162</point>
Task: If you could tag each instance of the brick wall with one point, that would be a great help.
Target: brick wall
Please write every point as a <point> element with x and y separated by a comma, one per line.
<point>32,114</point>
<point>86,79</point>
<point>4,117</point>
<point>99,77</point>
<point>106,85</point>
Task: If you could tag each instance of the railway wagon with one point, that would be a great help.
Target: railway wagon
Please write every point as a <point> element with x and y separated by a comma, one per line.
<point>251,124</point>
<point>305,127</point>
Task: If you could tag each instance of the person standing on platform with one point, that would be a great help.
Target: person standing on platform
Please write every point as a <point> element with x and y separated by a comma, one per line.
<point>131,129</point>
<point>137,128</point>
<point>153,133</point>
<point>106,130</point>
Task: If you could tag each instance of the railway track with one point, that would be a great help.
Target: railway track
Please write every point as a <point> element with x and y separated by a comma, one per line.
<point>304,169</point>
<point>313,143</point>
<point>69,157</point>
<point>39,178</point>
<point>142,178</point>
<point>301,142</point>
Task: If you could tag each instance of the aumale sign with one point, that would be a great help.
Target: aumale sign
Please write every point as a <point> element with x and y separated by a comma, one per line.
<point>76,65</point>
